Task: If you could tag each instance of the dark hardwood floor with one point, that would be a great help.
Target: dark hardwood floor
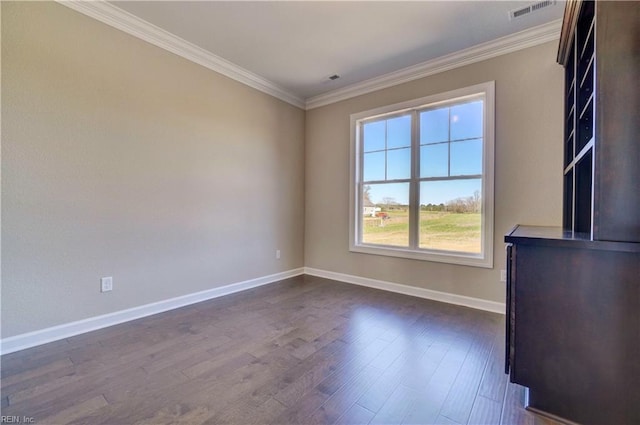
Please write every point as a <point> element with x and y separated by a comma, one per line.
<point>302,351</point>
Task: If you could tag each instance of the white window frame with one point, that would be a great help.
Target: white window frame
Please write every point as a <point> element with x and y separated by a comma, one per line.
<point>485,257</point>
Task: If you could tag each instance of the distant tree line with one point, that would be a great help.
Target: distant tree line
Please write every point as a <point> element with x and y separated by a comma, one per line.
<point>465,204</point>
<point>433,207</point>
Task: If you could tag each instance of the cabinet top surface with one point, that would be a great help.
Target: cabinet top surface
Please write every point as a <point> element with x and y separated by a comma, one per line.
<point>544,232</point>
<point>556,236</point>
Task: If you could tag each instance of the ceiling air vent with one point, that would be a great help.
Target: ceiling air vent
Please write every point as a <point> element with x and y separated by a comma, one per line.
<point>518,13</point>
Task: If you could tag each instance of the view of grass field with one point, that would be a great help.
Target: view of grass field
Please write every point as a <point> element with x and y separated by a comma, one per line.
<point>440,230</point>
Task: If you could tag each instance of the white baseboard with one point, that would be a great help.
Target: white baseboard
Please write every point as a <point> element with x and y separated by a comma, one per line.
<point>445,297</point>
<point>43,336</point>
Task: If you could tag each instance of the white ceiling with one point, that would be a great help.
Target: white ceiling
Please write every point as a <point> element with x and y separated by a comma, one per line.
<point>298,45</point>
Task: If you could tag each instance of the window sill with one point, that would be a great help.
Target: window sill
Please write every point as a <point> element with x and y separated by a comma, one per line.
<point>464,259</point>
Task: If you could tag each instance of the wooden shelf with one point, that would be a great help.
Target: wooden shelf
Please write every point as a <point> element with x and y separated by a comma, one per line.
<point>599,45</point>
<point>588,73</point>
<point>589,40</point>
<point>579,121</point>
<point>585,150</point>
<point>587,105</point>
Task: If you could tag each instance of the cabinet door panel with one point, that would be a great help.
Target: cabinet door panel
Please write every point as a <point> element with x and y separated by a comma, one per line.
<point>577,328</point>
<point>510,312</point>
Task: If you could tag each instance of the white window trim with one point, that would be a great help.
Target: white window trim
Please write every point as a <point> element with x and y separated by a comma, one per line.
<point>485,258</point>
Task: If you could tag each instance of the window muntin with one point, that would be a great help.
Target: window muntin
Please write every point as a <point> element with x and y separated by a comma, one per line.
<point>423,175</point>
<point>386,146</point>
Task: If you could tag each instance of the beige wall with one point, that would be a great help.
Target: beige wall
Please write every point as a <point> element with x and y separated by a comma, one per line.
<point>528,170</point>
<point>121,159</point>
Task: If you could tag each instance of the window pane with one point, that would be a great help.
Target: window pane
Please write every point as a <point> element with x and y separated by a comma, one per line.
<point>399,132</point>
<point>434,160</point>
<point>434,126</point>
<point>399,164</point>
<point>374,134</point>
<point>450,215</point>
<point>466,157</point>
<point>385,213</point>
<point>466,121</point>
<point>373,166</point>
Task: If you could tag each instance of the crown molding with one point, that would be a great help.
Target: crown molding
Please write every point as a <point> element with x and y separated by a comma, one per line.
<point>131,24</point>
<point>508,44</point>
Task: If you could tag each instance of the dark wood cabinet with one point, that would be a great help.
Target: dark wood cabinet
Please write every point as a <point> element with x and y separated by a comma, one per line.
<point>573,293</point>
<point>600,50</point>
<point>573,324</point>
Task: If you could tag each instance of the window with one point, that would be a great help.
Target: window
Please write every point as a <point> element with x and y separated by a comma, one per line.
<point>422,178</point>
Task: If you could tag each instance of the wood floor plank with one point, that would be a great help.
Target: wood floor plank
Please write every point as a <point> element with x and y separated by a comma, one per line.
<point>48,401</point>
<point>443,420</point>
<point>36,376</point>
<point>216,366</point>
<point>345,397</point>
<point>485,411</point>
<point>321,341</point>
<point>397,406</point>
<point>144,385</point>
<point>356,415</point>
<point>328,376</point>
<point>26,360</point>
<point>494,381</point>
<point>388,355</point>
<point>374,398</point>
<point>459,402</point>
<point>407,365</point>
<point>180,357</point>
<point>347,371</point>
<point>434,394</point>
<point>304,407</point>
<point>305,350</point>
<point>76,411</point>
<point>237,412</point>
<point>308,374</point>
<point>418,371</point>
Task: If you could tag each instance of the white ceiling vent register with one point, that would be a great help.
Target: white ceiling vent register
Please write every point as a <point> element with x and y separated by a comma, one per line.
<point>519,13</point>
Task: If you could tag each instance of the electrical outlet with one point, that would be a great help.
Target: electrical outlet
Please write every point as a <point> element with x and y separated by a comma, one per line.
<point>503,275</point>
<point>277,254</point>
<point>106,284</point>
